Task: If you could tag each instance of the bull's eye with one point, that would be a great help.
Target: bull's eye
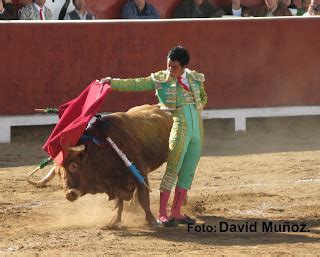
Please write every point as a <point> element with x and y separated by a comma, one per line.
<point>73,167</point>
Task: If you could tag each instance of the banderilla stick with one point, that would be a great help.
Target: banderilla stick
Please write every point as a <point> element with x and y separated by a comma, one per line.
<point>47,110</point>
<point>42,164</point>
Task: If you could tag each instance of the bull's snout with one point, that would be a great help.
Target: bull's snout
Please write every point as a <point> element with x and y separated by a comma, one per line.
<point>73,194</point>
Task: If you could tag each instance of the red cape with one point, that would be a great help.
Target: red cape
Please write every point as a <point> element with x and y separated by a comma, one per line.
<point>74,118</point>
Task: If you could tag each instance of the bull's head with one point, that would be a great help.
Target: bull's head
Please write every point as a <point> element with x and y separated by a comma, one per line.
<point>71,172</point>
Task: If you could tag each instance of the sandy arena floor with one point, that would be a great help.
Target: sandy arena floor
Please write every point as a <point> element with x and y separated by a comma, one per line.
<point>268,175</point>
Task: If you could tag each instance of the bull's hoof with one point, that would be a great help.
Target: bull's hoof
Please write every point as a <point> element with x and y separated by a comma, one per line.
<point>152,223</point>
<point>112,226</point>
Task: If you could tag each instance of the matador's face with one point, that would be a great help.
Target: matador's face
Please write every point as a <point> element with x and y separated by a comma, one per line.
<point>175,69</point>
<point>41,3</point>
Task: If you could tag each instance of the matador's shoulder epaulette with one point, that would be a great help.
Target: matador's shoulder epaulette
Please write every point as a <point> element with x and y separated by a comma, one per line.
<point>196,75</point>
<point>160,76</point>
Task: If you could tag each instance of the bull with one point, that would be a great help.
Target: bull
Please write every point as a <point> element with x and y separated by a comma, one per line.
<point>142,133</point>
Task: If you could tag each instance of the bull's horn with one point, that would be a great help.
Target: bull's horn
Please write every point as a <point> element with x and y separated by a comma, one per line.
<point>78,148</point>
<point>45,180</point>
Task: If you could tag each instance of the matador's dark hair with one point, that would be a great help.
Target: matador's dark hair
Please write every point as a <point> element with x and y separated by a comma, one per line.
<point>180,54</point>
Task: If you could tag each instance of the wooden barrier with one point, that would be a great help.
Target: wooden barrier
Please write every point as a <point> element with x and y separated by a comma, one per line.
<point>257,62</point>
<point>248,63</point>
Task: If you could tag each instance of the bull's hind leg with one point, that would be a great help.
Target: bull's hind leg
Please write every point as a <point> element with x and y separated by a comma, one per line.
<point>115,222</point>
<point>144,201</point>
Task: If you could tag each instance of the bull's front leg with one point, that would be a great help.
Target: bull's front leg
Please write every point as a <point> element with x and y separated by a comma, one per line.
<point>115,222</point>
<point>144,201</point>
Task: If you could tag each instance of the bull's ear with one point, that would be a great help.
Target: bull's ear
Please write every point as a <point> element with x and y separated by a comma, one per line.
<point>76,149</point>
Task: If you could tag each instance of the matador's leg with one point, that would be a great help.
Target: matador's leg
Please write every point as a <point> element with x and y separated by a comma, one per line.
<point>178,143</point>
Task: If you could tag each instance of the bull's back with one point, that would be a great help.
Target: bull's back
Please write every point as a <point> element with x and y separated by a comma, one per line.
<point>142,133</point>
<point>151,128</point>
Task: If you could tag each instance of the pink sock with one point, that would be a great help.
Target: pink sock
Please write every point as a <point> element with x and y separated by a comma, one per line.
<point>164,198</point>
<point>179,196</point>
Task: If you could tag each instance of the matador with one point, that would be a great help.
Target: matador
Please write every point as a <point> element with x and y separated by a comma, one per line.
<point>181,92</point>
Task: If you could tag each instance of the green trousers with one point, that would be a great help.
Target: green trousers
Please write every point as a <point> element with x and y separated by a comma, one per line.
<point>185,147</point>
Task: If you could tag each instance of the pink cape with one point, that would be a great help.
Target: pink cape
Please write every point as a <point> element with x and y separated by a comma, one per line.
<point>74,118</point>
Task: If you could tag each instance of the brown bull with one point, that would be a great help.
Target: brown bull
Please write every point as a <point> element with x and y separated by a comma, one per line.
<point>142,134</point>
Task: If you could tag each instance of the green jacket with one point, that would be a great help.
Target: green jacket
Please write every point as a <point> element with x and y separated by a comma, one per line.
<point>165,87</point>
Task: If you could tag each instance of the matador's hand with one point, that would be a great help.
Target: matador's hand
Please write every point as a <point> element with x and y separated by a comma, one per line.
<point>105,80</point>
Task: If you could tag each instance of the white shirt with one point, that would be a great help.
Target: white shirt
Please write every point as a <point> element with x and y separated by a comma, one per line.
<point>39,8</point>
<point>293,11</point>
<point>184,78</point>
<point>237,13</point>
<point>56,6</point>
<point>270,12</point>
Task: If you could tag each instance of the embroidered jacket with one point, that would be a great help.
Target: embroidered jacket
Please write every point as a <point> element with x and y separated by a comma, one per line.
<point>30,12</point>
<point>165,87</point>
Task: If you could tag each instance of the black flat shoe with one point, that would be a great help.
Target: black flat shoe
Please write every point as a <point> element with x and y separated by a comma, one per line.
<point>168,224</point>
<point>186,220</point>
